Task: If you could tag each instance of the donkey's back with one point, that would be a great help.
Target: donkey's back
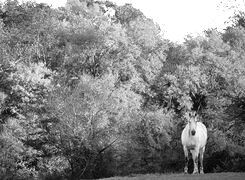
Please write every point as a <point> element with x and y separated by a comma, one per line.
<point>202,135</point>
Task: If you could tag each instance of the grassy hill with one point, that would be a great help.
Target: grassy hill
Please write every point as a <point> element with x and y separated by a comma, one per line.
<point>211,176</point>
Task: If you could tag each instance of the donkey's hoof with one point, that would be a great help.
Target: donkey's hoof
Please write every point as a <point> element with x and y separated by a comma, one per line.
<point>195,172</point>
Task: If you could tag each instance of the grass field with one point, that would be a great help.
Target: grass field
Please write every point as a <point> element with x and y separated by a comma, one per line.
<point>211,176</point>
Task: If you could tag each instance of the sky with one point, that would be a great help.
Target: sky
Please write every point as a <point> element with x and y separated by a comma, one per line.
<point>178,18</point>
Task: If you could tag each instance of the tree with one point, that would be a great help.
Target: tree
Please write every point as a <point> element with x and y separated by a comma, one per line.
<point>92,90</point>
<point>90,118</point>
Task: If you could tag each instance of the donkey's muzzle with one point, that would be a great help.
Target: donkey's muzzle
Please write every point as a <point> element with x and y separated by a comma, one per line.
<point>193,132</point>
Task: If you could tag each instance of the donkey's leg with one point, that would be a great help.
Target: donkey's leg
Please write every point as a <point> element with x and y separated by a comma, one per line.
<point>186,160</point>
<point>195,160</point>
<point>201,159</point>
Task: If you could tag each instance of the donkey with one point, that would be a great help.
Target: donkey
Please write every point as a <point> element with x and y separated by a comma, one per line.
<point>194,139</point>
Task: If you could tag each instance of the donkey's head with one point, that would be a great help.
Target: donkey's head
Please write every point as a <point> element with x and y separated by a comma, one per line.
<point>192,121</point>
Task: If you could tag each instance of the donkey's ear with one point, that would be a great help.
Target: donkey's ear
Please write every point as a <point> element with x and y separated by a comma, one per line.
<point>192,114</point>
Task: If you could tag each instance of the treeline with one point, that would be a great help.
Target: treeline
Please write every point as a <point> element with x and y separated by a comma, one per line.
<point>92,90</point>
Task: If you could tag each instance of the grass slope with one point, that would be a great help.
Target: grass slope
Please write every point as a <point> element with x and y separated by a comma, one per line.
<point>211,176</point>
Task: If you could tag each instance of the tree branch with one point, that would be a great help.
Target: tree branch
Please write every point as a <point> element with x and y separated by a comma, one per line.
<point>109,145</point>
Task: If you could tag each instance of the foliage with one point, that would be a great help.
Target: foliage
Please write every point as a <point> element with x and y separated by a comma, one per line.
<point>92,90</point>
<point>89,120</point>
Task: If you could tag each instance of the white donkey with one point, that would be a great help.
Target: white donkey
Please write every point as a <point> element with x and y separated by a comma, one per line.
<point>194,139</point>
